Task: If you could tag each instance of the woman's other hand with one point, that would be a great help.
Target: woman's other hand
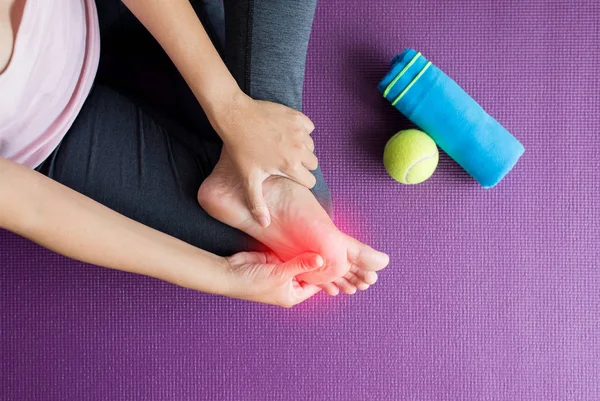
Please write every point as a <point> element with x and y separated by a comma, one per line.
<point>262,277</point>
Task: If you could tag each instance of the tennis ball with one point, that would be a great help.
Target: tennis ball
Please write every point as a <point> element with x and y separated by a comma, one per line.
<point>410,156</point>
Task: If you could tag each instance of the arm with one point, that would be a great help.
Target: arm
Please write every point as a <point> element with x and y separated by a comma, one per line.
<point>246,126</point>
<point>176,27</point>
<point>71,224</point>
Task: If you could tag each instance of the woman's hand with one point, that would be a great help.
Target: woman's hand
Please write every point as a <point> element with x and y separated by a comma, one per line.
<point>262,277</point>
<point>264,139</point>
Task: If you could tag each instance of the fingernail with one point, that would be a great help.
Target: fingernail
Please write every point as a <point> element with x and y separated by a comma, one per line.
<point>319,261</point>
<point>263,221</point>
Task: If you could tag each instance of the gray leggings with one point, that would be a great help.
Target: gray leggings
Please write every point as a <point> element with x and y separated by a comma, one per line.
<point>142,145</point>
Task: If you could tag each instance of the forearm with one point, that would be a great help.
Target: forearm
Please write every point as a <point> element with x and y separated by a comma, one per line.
<point>71,224</point>
<point>177,28</point>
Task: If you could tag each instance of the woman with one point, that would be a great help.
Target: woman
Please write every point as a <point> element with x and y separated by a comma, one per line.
<point>127,141</point>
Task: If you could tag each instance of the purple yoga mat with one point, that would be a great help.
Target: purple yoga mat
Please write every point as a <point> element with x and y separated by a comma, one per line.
<point>490,295</point>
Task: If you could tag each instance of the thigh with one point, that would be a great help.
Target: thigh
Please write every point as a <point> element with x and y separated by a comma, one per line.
<point>146,168</point>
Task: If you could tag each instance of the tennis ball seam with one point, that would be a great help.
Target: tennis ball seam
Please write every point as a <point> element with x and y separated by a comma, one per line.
<point>416,163</point>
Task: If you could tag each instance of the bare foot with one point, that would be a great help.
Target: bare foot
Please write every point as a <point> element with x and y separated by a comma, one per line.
<point>299,224</point>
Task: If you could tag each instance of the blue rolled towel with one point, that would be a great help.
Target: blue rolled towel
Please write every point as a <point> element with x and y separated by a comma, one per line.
<point>456,122</point>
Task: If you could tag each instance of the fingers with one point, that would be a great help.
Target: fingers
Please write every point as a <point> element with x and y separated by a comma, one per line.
<point>256,201</point>
<point>310,144</point>
<point>305,123</point>
<point>302,264</point>
<point>300,173</point>
<point>310,161</point>
<point>306,291</point>
<point>303,177</point>
<point>304,160</point>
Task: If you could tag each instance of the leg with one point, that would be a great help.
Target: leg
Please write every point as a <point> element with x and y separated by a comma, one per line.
<point>266,45</point>
<point>266,49</point>
<point>146,168</point>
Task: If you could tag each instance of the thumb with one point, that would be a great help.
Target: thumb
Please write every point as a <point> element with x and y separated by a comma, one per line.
<point>302,264</point>
<point>256,201</point>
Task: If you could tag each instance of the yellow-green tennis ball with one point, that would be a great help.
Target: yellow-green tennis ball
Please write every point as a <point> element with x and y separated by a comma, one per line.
<point>410,156</point>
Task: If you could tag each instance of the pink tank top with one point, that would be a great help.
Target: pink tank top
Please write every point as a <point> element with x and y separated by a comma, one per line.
<point>50,74</point>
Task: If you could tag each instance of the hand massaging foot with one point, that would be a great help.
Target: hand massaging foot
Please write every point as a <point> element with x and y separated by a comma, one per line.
<point>299,224</point>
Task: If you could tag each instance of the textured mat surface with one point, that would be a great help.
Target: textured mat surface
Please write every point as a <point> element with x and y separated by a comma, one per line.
<point>491,295</point>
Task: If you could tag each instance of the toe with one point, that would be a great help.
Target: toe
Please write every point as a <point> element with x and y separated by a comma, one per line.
<point>345,286</point>
<point>330,289</point>
<point>367,276</point>
<point>367,258</point>
<point>356,281</point>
